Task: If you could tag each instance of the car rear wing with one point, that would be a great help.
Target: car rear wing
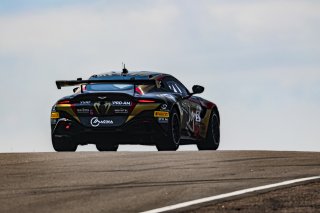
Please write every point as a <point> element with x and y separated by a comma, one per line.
<point>62,83</point>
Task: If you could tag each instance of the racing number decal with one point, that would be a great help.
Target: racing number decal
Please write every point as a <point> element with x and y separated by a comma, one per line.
<point>193,123</point>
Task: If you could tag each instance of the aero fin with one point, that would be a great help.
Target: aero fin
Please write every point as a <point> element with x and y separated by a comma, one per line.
<point>124,70</point>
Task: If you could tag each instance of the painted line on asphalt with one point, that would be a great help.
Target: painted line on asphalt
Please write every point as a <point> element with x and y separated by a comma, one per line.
<point>230,194</point>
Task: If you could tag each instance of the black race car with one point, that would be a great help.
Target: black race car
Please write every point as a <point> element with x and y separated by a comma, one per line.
<point>142,107</point>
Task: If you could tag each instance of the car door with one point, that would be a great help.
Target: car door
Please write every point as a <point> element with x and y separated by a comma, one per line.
<point>191,109</point>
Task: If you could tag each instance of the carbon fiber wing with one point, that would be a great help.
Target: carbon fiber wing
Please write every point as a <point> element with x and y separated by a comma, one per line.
<point>66,83</point>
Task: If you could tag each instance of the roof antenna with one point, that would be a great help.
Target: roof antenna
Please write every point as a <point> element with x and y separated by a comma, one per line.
<point>124,70</point>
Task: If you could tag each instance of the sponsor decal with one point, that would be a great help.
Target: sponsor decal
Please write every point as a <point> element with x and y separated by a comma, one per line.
<point>121,110</point>
<point>95,122</point>
<point>163,120</point>
<point>83,110</point>
<point>121,103</point>
<point>102,107</point>
<point>196,116</point>
<point>161,114</point>
<point>85,102</point>
<point>102,98</point>
<point>164,106</point>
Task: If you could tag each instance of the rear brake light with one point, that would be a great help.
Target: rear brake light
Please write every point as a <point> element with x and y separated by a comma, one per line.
<point>146,101</point>
<point>64,102</point>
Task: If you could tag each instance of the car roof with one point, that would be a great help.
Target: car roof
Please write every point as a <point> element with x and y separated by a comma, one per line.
<point>137,75</point>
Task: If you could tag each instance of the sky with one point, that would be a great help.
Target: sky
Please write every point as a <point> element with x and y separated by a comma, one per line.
<point>258,60</point>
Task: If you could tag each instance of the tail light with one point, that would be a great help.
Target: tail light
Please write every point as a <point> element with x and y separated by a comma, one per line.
<point>64,102</point>
<point>146,101</point>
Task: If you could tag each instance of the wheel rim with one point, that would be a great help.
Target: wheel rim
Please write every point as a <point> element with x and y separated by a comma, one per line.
<point>175,129</point>
<point>215,129</point>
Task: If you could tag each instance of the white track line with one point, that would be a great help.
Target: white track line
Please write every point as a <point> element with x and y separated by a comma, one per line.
<point>240,192</point>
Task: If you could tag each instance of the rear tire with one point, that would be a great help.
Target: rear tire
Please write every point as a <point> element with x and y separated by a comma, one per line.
<point>172,141</point>
<point>103,147</point>
<point>212,140</point>
<point>64,145</point>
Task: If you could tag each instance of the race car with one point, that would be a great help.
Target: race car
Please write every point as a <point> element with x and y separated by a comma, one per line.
<point>138,107</point>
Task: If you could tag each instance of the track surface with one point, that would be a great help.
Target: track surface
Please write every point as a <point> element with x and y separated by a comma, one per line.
<point>295,199</point>
<point>138,181</point>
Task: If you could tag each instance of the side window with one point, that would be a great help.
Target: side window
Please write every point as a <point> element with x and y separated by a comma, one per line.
<point>181,89</point>
<point>166,83</point>
<point>175,86</point>
<point>170,86</point>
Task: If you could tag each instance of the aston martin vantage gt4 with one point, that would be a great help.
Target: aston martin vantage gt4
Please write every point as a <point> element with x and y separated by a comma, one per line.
<point>140,107</point>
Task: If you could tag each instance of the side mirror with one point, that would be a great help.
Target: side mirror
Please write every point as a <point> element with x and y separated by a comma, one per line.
<point>196,89</point>
<point>75,89</point>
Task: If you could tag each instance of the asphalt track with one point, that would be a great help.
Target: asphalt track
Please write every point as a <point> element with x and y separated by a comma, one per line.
<point>138,181</point>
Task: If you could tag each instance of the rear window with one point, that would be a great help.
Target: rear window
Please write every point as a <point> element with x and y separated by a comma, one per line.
<point>141,89</point>
<point>109,87</point>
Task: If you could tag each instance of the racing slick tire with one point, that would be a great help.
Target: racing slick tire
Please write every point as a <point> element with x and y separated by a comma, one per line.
<point>64,145</point>
<point>104,147</point>
<point>172,141</point>
<point>212,140</point>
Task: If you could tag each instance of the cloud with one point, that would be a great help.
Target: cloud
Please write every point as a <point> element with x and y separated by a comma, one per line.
<point>254,33</point>
<point>85,28</point>
<point>254,21</point>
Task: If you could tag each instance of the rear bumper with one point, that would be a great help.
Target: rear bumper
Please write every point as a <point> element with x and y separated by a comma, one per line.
<point>145,131</point>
